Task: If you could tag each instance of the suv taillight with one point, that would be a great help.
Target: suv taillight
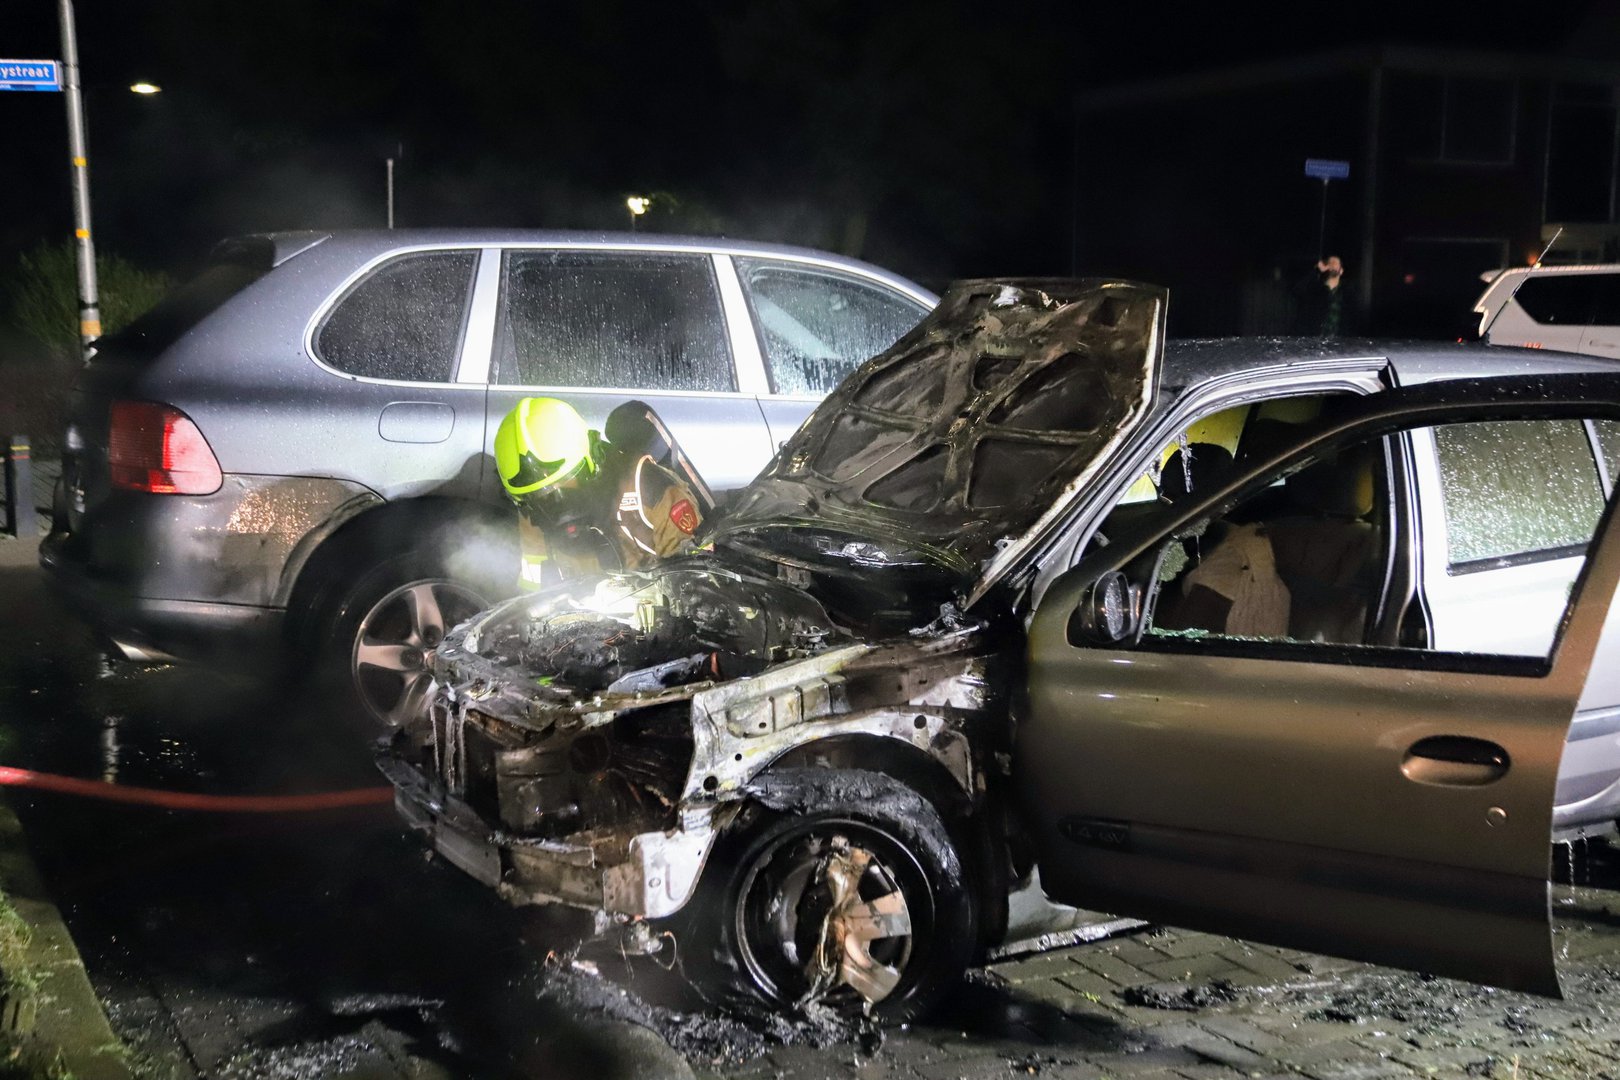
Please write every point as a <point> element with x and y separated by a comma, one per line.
<point>156,448</point>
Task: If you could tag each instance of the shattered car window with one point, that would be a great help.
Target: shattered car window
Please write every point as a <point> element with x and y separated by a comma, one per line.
<point>1515,487</point>
<point>816,327</point>
<point>634,320</point>
<point>966,430</point>
<point>1299,560</point>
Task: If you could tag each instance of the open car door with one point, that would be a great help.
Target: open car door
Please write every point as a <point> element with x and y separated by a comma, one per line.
<point>1387,804</point>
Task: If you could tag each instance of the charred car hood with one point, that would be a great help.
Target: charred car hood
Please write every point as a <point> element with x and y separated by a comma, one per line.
<point>967,434</point>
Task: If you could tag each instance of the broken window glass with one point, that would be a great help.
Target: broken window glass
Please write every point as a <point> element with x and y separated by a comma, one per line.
<point>631,320</point>
<point>816,326</point>
<point>1516,487</point>
<point>403,320</point>
<point>1301,559</point>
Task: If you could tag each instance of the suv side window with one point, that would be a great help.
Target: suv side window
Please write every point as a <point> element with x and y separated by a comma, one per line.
<point>1517,489</point>
<point>816,326</point>
<point>1558,299</point>
<point>633,320</point>
<point>1606,299</point>
<point>404,320</point>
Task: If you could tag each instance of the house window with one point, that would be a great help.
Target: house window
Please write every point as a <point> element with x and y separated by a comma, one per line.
<point>1580,154</point>
<point>1472,121</point>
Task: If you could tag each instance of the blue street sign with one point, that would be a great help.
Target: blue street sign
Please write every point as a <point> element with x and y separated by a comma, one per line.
<point>30,75</point>
<point>1327,168</point>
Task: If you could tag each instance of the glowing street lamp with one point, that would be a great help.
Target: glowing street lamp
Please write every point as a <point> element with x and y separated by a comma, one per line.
<point>145,88</point>
<point>638,205</point>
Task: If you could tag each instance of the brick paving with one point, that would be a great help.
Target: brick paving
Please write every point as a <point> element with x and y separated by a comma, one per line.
<point>1265,1012</point>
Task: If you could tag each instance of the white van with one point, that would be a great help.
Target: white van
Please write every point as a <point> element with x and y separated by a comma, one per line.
<point>1569,308</point>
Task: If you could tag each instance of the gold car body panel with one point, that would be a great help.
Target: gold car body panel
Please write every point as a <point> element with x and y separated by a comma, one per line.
<point>1274,795</point>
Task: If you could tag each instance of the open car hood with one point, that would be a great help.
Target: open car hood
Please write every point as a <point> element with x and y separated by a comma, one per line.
<point>966,435</point>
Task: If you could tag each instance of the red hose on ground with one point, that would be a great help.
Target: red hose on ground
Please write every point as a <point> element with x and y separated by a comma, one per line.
<point>185,800</point>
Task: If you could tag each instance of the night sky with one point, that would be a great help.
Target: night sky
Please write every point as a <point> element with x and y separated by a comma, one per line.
<point>930,137</point>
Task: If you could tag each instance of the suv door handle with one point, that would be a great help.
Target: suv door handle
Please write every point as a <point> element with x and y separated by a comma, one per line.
<point>1455,761</point>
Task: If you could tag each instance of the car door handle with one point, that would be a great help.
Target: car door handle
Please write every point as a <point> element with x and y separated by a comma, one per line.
<point>1455,761</point>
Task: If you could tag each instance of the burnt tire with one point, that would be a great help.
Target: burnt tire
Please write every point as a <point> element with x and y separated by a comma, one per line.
<point>377,627</point>
<point>837,868</point>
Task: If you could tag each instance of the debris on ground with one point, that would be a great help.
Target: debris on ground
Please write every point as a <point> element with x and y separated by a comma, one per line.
<point>1180,996</point>
<point>1424,1003</point>
<point>1037,1064</point>
<point>709,1036</point>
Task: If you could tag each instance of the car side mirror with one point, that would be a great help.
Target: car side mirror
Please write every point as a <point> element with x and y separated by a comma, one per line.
<point>1109,612</point>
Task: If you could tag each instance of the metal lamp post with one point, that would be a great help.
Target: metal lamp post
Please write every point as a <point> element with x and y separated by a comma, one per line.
<point>78,151</point>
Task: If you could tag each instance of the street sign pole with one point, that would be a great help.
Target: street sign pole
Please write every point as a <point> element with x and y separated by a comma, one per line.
<point>1321,224</point>
<point>78,151</point>
<point>1325,170</point>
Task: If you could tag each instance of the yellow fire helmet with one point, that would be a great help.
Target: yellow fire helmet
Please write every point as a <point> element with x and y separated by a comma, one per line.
<point>541,443</point>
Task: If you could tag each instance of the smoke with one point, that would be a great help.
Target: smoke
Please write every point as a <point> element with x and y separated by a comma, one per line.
<point>485,554</point>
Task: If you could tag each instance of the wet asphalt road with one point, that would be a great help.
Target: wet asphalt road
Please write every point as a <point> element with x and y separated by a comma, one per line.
<point>328,945</point>
<point>210,935</point>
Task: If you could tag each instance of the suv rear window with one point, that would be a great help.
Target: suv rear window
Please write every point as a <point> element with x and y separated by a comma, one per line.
<point>1559,299</point>
<point>402,321</point>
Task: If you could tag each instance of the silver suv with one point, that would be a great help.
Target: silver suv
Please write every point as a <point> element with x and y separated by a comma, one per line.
<point>296,444</point>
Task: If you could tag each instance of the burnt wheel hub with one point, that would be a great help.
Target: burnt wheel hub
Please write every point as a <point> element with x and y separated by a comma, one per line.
<point>826,919</point>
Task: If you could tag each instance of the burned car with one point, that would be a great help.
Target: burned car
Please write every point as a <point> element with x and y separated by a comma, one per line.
<point>1029,589</point>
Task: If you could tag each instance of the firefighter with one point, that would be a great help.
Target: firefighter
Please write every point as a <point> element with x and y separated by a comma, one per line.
<point>588,505</point>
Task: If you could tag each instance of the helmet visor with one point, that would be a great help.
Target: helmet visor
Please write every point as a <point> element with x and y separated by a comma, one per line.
<point>534,475</point>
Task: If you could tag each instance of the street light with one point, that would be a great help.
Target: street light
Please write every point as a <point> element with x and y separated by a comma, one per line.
<point>638,205</point>
<point>145,88</point>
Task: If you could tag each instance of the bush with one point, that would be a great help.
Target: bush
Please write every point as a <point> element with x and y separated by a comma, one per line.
<point>39,334</point>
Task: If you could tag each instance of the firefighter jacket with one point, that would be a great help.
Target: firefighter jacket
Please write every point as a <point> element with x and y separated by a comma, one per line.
<point>633,514</point>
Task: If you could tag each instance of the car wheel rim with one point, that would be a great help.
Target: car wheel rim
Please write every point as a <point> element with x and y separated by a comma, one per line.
<point>392,646</point>
<point>833,915</point>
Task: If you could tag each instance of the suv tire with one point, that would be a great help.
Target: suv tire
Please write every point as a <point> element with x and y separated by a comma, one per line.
<point>382,621</point>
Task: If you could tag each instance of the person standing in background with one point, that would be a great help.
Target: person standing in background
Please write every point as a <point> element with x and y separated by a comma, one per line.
<point>1321,296</point>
